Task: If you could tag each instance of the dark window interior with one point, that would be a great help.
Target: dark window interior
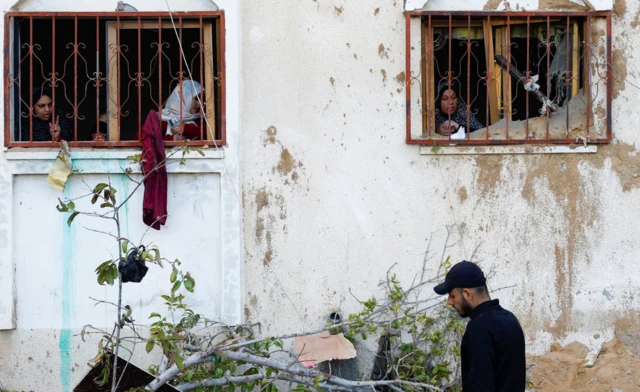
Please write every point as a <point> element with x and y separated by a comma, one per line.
<point>93,56</point>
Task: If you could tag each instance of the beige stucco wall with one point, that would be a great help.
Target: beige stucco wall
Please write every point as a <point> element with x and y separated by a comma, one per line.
<point>334,197</point>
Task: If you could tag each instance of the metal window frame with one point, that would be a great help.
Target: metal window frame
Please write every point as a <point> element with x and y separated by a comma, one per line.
<point>220,49</point>
<point>484,15</point>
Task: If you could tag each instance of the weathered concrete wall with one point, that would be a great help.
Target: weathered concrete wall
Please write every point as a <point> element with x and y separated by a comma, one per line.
<point>334,196</point>
<point>47,269</point>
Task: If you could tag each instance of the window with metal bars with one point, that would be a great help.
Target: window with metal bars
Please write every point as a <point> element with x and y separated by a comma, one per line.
<point>92,78</point>
<point>484,78</point>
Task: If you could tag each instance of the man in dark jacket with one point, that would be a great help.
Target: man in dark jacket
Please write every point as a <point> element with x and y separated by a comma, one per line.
<point>492,349</point>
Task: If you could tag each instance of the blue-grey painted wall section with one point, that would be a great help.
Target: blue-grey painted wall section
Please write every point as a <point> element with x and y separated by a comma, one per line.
<point>68,298</point>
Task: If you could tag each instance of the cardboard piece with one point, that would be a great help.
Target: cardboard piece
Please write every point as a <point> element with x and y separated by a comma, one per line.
<point>323,346</point>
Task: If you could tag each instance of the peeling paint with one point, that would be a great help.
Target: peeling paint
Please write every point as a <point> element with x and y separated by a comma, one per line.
<point>259,228</point>
<point>488,178</point>
<point>262,200</point>
<point>563,286</point>
<point>492,5</point>
<point>561,176</point>
<point>287,163</point>
<point>400,78</point>
<point>270,137</point>
<point>462,194</point>
<point>561,5</point>
<point>620,8</point>
<point>268,256</point>
<point>620,57</point>
<point>383,52</point>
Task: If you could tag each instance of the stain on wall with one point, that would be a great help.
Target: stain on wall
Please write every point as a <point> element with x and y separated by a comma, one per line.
<point>561,5</point>
<point>68,298</point>
<point>564,177</point>
<point>383,52</point>
<point>560,194</point>
<point>462,195</point>
<point>270,137</point>
<point>286,164</point>
<point>492,5</point>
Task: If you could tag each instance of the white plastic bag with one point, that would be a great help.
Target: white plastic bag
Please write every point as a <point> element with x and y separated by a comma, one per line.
<point>61,169</point>
<point>459,135</point>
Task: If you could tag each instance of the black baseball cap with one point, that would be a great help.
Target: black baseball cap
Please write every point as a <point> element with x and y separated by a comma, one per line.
<point>465,274</point>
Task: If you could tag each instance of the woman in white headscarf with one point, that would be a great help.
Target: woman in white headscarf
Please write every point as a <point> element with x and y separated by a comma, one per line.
<point>182,111</point>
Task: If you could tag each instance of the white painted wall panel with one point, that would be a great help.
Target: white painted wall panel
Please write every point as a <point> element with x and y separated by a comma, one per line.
<point>55,264</point>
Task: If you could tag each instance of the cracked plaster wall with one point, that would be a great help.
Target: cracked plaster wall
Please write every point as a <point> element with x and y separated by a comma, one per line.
<point>333,197</point>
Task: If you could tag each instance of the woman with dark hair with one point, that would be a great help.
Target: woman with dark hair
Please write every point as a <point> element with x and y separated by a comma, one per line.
<point>451,113</point>
<point>45,128</point>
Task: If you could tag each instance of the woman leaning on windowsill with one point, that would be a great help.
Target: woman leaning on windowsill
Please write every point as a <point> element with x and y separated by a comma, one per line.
<point>181,114</point>
<point>451,113</point>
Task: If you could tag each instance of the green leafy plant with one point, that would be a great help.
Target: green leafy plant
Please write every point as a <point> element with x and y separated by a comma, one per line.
<point>205,355</point>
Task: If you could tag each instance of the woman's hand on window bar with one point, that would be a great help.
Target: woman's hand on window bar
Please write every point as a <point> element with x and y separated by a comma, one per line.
<point>448,127</point>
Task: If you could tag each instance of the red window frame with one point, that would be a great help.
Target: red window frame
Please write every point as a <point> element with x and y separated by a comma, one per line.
<point>417,76</point>
<point>219,51</point>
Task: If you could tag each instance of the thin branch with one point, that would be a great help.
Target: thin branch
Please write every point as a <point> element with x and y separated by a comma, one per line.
<point>117,345</point>
<point>100,232</point>
<point>427,257</point>
<point>221,382</point>
<point>124,370</point>
<point>151,226</point>
<point>160,165</point>
<point>475,251</point>
<point>99,301</point>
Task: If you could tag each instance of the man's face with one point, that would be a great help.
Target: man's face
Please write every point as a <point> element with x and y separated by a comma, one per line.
<point>459,302</point>
<point>42,108</point>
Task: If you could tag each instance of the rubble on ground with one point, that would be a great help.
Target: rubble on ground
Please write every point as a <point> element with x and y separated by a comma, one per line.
<point>615,368</point>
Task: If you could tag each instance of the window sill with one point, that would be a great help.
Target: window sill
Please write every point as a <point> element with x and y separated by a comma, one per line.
<point>507,150</point>
<point>50,154</point>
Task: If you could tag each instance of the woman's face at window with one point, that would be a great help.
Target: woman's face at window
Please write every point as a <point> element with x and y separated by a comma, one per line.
<point>195,104</point>
<point>42,108</point>
<point>449,102</point>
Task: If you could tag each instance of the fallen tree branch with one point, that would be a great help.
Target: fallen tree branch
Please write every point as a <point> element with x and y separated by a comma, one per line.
<point>284,367</point>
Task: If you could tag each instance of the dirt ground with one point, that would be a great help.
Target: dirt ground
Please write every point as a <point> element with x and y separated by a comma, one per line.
<point>617,369</point>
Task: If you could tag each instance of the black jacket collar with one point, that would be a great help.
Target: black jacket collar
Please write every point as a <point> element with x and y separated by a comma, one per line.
<point>484,307</point>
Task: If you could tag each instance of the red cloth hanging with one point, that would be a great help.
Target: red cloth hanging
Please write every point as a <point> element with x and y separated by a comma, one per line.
<point>154,206</point>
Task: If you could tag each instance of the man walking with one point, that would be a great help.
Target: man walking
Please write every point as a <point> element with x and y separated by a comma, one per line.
<point>492,348</point>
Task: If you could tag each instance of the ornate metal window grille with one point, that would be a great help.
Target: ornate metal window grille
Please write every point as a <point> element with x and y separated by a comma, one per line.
<point>525,77</point>
<point>126,63</point>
